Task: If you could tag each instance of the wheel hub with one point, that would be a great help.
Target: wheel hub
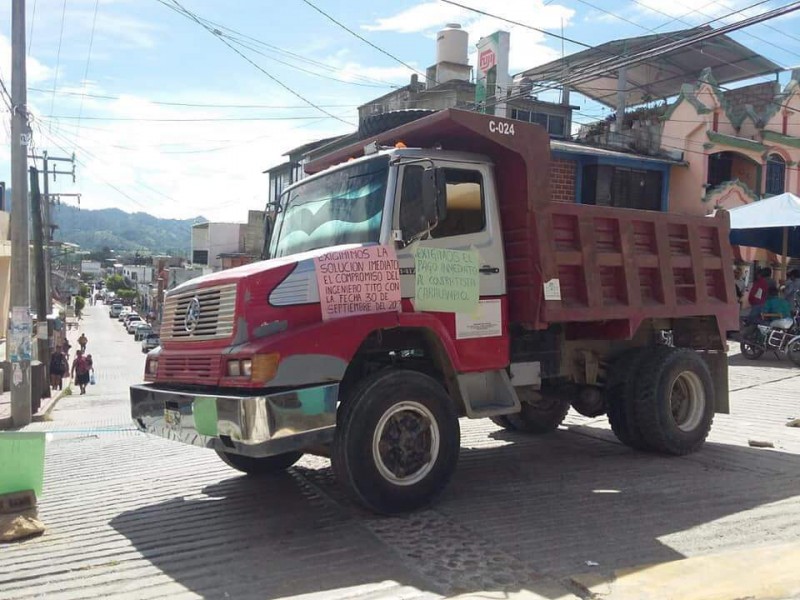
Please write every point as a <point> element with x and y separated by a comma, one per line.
<point>406,443</point>
<point>687,401</point>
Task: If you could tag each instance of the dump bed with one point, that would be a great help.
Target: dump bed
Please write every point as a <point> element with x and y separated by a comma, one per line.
<point>600,271</point>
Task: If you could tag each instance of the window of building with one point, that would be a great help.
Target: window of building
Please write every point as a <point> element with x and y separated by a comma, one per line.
<point>200,257</point>
<point>622,187</point>
<point>555,125</point>
<point>720,166</point>
<point>776,175</point>
<point>465,202</point>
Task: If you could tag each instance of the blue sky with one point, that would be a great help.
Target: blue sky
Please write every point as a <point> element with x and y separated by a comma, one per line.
<point>182,161</point>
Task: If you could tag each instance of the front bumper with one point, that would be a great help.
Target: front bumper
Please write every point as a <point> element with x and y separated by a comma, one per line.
<point>263,425</point>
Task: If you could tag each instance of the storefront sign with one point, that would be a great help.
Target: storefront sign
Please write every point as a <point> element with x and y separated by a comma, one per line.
<point>20,334</point>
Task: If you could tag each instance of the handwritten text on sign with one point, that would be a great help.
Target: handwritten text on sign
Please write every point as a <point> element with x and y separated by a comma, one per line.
<point>358,281</point>
<point>446,280</point>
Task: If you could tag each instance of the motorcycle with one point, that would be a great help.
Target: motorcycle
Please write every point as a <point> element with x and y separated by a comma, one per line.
<point>781,336</point>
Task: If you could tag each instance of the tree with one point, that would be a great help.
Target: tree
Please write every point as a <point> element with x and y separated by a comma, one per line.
<point>127,294</point>
<point>80,302</point>
<point>116,283</point>
<point>83,291</point>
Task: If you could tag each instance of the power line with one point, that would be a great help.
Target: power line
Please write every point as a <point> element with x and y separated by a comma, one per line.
<point>216,33</point>
<point>193,120</point>
<point>362,38</point>
<point>191,104</point>
<point>86,70</point>
<point>611,64</point>
<point>30,33</point>
<point>525,25</point>
<point>58,55</point>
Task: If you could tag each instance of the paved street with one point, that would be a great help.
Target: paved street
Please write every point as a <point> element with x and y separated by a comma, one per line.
<point>135,516</point>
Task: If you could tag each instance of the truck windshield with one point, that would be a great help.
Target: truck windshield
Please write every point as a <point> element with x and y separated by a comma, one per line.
<point>343,207</point>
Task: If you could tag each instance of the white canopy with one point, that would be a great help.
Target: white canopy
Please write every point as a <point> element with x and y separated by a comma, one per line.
<point>777,211</point>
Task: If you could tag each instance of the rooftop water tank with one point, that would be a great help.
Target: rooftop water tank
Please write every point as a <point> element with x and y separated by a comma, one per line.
<point>452,44</point>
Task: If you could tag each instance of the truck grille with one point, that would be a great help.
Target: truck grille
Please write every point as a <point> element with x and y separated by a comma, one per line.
<point>214,319</point>
<point>189,369</point>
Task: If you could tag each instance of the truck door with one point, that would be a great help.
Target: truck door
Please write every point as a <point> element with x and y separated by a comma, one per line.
<point>472,223</point>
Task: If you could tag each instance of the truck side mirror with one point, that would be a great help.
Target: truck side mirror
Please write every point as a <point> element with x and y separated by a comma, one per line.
<point>434,195</point>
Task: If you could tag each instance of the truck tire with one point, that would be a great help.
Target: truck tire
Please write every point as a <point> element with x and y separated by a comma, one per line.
<point>259,466</point>
<point>537,415</point>
<point>620,396</point>
<point>397,441</point>
<point>674,401</point>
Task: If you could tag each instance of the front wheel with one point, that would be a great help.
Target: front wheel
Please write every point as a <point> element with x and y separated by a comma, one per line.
<point>794,352</point>
<point>751,351</point>
<point>259,466</point>
<point>397,441</point>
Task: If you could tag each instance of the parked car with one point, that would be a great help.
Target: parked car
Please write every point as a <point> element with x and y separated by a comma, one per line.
<point>131,323</point>
<point>150,342</point>
<point>115,310</point>
<point>126,310</point>
<point>141,330</point>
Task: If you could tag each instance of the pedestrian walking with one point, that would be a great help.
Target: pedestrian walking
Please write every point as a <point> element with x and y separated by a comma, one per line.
<point>83,340</point>
<point>80,371</point>
<point>58,364</point>
<point>66,348</point>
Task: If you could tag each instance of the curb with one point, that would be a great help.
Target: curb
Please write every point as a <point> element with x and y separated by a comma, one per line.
<point>42,416</point>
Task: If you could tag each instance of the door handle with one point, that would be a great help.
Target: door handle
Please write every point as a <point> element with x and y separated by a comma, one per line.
<point>487,270</point>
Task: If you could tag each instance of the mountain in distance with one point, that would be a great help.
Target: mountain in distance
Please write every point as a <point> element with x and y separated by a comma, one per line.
<point>121,231</point>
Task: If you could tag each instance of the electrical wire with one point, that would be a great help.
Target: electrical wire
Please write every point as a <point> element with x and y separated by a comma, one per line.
<point>30,31</point>
<point>58,55</point>
<point>190,104</point>
<point>363,39</point>
<point>191,16</point>
<point>609,65</point>
<point>194,120</point>
<point>86,69</point>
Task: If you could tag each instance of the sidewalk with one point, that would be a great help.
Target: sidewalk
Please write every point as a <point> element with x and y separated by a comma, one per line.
<point>47,404</point>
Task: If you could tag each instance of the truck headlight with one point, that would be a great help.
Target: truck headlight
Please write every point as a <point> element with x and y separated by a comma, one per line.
<point>234,368</point>
<point>247,367</point>
<point>264,367</point>
<point>152,366</point>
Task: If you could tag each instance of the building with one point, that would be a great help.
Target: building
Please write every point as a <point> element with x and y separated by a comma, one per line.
<point>211,240</point>
<point>254,234</point>
<point>448,84</point>
<point>91,267</point>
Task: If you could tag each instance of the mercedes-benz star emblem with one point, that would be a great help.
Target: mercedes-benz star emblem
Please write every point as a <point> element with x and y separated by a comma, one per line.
<point>192,315</point>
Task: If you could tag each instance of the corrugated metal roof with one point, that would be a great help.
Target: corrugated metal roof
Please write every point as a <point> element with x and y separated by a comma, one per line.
<point>575,148</point>
<point>655,78</point>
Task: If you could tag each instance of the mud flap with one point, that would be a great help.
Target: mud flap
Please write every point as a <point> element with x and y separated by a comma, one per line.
<point>718,365</point>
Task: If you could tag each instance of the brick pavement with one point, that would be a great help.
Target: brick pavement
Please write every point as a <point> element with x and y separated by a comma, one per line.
<point>134,516</point>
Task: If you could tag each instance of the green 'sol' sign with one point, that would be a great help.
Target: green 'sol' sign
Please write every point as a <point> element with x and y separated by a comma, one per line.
<point>446,280</point>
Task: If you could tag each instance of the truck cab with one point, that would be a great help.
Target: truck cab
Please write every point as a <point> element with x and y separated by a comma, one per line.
<point>408,287</point>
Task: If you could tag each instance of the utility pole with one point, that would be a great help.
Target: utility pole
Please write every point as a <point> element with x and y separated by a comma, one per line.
<point>47,202</point>
<point>42,302</point>
<point>20,333</point>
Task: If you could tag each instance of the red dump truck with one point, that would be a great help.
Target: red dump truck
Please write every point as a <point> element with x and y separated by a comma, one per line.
<point>423,276</point>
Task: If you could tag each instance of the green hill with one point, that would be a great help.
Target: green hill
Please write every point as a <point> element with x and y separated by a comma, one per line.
<point>121,231</point>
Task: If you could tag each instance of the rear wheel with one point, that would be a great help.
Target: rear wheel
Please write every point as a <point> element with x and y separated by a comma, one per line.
<point>259,466</point>
<point>397,441</point>
<point>674,401</point>
<point>620,396</point>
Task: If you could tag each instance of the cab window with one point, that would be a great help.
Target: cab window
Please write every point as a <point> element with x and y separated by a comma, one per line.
<point>465,201</point>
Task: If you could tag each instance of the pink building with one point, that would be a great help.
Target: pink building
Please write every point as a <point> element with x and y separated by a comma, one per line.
<point>738,145</point>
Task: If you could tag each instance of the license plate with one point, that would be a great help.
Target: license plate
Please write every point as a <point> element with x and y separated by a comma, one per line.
<point>172,418</point>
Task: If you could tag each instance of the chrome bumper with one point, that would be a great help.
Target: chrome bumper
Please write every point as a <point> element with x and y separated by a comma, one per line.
<point>249,425</point>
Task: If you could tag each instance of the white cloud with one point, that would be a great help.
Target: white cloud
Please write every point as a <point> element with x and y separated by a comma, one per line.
<point>528,47</point>
<point>36,71</point>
